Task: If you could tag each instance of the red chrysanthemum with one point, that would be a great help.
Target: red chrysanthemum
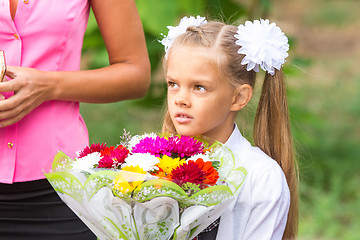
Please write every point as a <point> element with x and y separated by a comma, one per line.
<point>211,175</point>
<point>106,162</point>
<point>113,157</point>
<point>107,151</point>
<point>188,172</point>
<point>95,147</point>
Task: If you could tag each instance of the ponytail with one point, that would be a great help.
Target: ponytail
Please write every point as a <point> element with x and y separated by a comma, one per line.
<point>272,134</point>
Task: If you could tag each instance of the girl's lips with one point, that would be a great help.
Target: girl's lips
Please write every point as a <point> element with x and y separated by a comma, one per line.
<point>182,118</point>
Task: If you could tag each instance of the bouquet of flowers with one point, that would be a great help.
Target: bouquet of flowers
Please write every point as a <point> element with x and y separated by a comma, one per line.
<point>148,187</point>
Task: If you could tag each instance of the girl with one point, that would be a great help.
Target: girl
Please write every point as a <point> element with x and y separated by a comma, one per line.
<point>210,73</point>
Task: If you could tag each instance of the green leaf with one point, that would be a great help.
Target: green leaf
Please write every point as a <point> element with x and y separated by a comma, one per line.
<point>191,7</point>
<point>156,15</point>
<point>225,10</point>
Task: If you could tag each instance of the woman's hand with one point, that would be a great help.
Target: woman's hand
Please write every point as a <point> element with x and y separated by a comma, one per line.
<point>31,87</point>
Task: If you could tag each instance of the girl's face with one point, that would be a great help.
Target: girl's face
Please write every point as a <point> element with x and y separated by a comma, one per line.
<point>199,102</point>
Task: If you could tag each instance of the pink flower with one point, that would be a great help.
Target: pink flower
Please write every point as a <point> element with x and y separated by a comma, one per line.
<point>185,146</point>
<point>155,146</point>
<point>182,146</point>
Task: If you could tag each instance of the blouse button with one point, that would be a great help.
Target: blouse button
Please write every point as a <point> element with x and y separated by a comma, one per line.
<point>26,1</point>
<point>10,145</point>
<point>16,36</point>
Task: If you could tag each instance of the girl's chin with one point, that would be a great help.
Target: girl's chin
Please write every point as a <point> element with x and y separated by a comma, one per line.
<point>187,132</point>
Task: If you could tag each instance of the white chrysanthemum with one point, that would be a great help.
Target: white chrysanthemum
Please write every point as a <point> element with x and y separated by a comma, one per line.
<point>263,45</point>
<point>174,32</point>
<point>87,162</point>
<point>136,139</point>
<point>146,161</point>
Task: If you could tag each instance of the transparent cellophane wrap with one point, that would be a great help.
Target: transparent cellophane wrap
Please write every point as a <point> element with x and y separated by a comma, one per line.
<point>157,208</point>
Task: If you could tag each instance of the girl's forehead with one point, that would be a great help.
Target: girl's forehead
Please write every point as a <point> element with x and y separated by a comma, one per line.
<point>182,61</point>
<point>192,58</point>
<point>193,65</point>
<point>204,52</point>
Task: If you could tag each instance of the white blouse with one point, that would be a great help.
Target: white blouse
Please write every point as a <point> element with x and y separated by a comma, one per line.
<point>261,209</point>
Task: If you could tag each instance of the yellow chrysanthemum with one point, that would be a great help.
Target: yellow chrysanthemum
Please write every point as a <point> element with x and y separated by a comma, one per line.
<point>167,164</point>
<point>129,178</point>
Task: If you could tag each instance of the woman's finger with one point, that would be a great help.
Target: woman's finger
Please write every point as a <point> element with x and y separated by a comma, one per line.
<point>12,120</point>
<point>10,113</point>
<point>8,86</point>
<point>11,103</point>
<point>11,71</point>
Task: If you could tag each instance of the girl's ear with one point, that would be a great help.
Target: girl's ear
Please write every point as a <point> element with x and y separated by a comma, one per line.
<point>242,96</point>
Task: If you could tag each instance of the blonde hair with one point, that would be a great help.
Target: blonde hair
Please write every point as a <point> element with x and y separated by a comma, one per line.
<point>272,126</point>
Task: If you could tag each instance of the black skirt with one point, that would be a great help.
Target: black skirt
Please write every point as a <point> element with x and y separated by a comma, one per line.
<point>33,210</point>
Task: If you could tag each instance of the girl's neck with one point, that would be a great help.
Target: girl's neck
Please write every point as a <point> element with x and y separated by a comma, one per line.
<point>225,133</point>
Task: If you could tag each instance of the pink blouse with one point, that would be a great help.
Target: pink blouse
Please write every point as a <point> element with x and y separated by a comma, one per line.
<point>46,35</point>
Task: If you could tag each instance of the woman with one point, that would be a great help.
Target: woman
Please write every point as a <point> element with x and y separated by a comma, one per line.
<point>39,104</point>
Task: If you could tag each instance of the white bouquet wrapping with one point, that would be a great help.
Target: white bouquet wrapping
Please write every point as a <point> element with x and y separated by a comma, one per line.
<point>151,187</point>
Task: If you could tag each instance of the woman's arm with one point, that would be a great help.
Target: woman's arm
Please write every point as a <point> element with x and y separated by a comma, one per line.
<point>127,77</point>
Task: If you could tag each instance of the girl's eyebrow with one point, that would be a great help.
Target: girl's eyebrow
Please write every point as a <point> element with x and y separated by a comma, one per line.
<point>167,77</point>
<point>200,80</point>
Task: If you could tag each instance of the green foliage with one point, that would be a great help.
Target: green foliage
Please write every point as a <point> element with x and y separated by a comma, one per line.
<point>166,13</point>
<point>324,117</point>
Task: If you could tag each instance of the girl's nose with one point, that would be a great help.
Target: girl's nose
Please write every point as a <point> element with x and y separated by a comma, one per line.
<point>182,99</point>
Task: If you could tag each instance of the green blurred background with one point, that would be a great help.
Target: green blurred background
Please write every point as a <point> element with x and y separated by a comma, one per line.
<point>323,73</point>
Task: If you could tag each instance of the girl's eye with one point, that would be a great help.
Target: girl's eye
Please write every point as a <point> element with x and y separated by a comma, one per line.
<point>199,88</point>
<point>172,85</point>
